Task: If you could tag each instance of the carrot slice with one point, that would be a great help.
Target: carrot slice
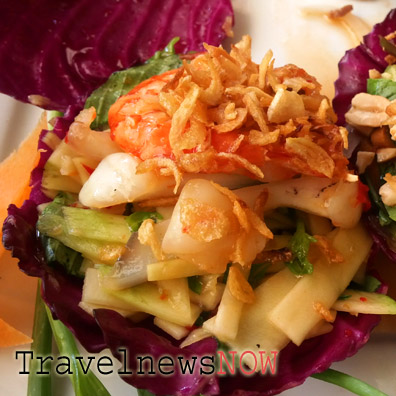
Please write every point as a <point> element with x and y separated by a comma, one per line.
<point>15,172</point>
<point>11,336</point>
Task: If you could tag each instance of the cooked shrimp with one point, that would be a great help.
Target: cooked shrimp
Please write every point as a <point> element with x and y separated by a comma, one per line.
<point>139,125</point>
<point>224,113</point>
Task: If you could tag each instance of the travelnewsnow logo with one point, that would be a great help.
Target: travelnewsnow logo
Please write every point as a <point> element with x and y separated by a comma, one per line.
<point>223,363</point>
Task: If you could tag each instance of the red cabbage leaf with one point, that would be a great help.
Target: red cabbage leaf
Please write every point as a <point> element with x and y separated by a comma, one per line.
<point>63,50</point>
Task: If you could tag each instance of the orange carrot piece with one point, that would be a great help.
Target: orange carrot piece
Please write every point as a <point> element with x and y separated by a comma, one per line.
<point>15,172</point>
<point>9,336</point>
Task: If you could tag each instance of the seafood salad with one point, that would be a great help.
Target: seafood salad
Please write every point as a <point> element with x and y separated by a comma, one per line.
<point>197,216</point>
<point>211,207</point>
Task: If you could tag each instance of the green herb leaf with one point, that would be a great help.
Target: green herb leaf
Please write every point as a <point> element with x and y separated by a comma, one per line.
<point>390,73</point>
<point>387,213</point>
<point>55,207</point>
<point>57,252</point>
<point>136,219</point>
<point>387,46</point>
<point>299,246</point>
<point>382,87</point>
<point>195,284</point>
<point>348,382</point>
<point>371,284</point>
<point>257,273</point>
<point>120,83</point>
<point>391,210</point>
<point>383,215</point>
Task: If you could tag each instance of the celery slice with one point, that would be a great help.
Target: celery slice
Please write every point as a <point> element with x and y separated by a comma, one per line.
<point>88,223</point>
<point>98,251</point>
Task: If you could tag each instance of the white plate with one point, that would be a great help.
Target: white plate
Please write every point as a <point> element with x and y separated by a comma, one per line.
<point>312,43</point>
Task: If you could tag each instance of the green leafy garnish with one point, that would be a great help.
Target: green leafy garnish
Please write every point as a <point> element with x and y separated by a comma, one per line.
<point>382,87</point>
<point>136,219</point>
<point>57,252</point>
<point>383,215</point>
<point>371,284</point>
<point>121,82</point>
<point>348,382</point>
<point>257,273</point>
<point>299,246</point>
<point>387,46</point>
<point>390,73</point>
<point>385,86</point>
<point>390,211</point>
<point>55,207</point>
<point>195,284</point>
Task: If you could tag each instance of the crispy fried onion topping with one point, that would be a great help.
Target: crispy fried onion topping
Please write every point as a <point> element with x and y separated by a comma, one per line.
<point>248,220</point>
<point>328,250</point>
<point>147,236</point>
<point>220,93</point>
<point>203,222</point>
<point>326,314</point>
<point>314,155</point>
<point>239,287</point>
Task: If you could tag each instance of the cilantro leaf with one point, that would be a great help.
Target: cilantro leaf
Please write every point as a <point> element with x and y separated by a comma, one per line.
<point>56,252</point>
<point>136,219</point>
<point>382,87</point>
<point>299,246</point>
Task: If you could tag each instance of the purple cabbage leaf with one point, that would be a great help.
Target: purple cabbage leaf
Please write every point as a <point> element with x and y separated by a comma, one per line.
<point>55,53</point>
